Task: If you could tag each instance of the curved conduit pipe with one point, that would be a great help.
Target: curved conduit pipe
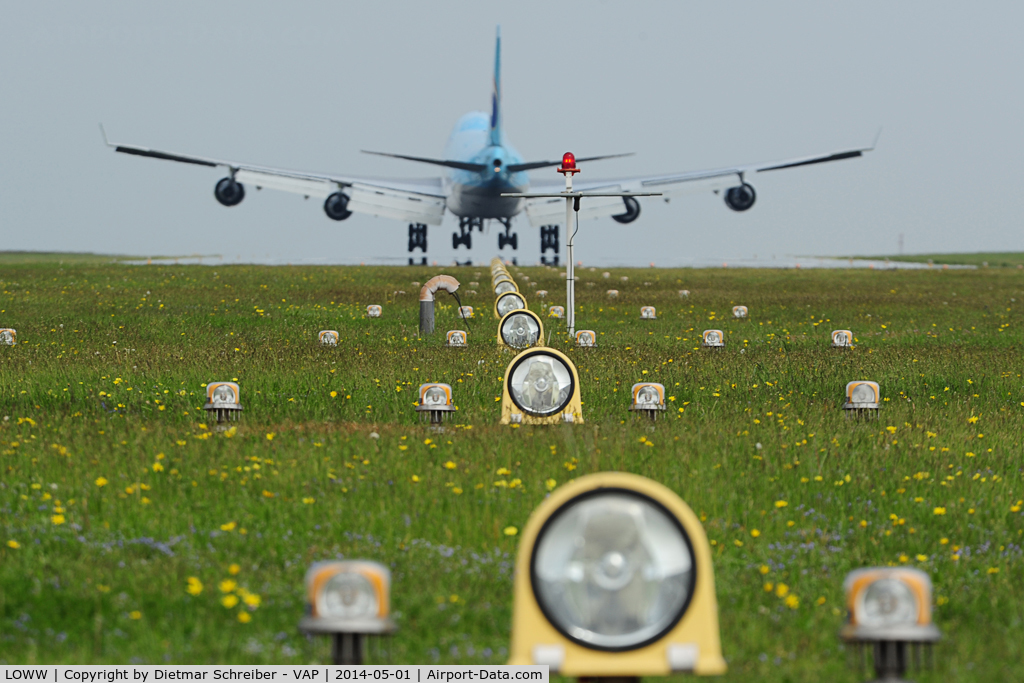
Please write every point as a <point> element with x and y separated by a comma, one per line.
<point>444,282</point>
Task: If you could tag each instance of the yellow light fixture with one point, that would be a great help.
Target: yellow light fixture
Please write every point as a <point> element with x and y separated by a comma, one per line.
<point>328,337</point>
<point>374,311</point>
<point>520,330</point>
<point>649,398</point>
<point>842,339</point>
<point>435,401</point>
<point>713,339</point>
<point>586,339</point>
<point>222,401</point>
<point>648,313</point>
<point>541,387</point>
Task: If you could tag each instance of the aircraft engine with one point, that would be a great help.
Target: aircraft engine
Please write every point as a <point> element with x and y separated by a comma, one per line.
<point>228,192</point>
<point>632,210</point>
<point>740,198</point>
<point>336,206</point>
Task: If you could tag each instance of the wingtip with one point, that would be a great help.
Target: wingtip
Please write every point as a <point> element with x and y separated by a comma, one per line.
<point>878,136</point>
<point>103,132</point>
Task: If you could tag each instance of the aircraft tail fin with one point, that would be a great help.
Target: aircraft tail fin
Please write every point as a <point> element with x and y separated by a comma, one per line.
<point>496,129</point>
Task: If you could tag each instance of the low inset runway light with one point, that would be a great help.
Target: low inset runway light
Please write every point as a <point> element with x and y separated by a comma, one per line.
<point>842,339</point>
<point>648,313</point>
<point>648,397</point>
<point>8,336</point>
<point>507,303</point>
<point>556,312</point>
<point>465,312</point>
<point>586,339</point>
<point>889,610</point>
<point>541,292</point>
<point>606,275</point>
<point>329,337</point>
<point>541,387</point>
<point>520,330</point>
<point>435,401</point>
<point>739,312</point>
<point>862,398</point>
<point>713,339</point>
<point>222,400</point>
<point>612,293</point>
<point>504,287</point>
<point>373,311</point>
<point>684,292</point>
<point>456,338</point>
<point>533,285</point>
<point>348,600</point>
<point>624,278</point>
<point>614,578</point>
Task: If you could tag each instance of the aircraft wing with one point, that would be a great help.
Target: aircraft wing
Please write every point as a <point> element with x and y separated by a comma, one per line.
<point>418,200</point>
<point>542,211</point>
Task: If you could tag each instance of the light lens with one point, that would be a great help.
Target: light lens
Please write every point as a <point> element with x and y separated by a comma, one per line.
<point>648,395</point>
<point>349,595</point>
<point>435,396</point>
<point>504,288</point>
<point>568,160</point>
<point>862,393</point>
<point>613,570</point>
<point>713,337</point>
<point>508,303</point>
<point>840,339</point>
<point>520,331</point>
<point>585,338</point>
<point>541,384</point>
<point>887,602</point>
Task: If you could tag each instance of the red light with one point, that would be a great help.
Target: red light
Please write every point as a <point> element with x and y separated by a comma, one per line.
<point>568,160</point>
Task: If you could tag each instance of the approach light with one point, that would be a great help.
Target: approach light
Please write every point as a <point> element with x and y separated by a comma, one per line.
<point>713,339</point>
<point>328,337</point>
<point>606,275</point>
<point>465,312</point>
<point>8,336</point>
<point>373,311</point>
<point>435,401</point>
<point>648,397</point>
<point>541,387</point>
<point>501,277</point>
<point>556,312</point>
<point>504,287</point>
<point>739,312</point>
<point>520,330</point>
<point>348,600</point>
<point>648,313</point>
<point>684,292</point>
<point>862,398</point>
<point>586,339</point>
<point>513,301</point>
<point>222,401</point>
<point>456,338</point>
<point>889,609</point>
<point>612,293</point>
<point>541,292</point>
<point>842,339</point>
<point>568,164</point>
<point>614,579</point>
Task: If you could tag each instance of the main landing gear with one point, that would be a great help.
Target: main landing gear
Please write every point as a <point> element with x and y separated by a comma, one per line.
<point>418,240</point>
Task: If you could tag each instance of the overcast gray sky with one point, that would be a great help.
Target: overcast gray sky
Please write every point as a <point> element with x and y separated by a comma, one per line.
<point>685,85</point>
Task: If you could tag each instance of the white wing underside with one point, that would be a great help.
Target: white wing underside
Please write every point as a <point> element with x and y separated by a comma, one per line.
<point>544,210</point>
<point>410,200</point>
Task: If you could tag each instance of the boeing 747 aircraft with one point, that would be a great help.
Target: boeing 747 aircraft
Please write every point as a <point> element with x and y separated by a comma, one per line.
<point>479,165</point>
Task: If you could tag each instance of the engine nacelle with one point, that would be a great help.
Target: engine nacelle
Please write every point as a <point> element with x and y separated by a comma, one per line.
<point>228,192</point>
<point>632,210</point>
<point>336,206</point>
<point>740,198</point>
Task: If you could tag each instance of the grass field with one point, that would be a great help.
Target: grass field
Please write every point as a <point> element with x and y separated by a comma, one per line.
<point>980,259</point>
<point>115,491</point>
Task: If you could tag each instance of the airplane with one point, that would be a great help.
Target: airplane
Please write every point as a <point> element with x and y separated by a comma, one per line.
<point>479,165</point>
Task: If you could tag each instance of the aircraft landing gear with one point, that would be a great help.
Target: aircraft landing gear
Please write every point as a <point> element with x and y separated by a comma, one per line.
<point>549,242</point>
<point>465,234</point>
<point>418,240</point>
<point>509,237</point>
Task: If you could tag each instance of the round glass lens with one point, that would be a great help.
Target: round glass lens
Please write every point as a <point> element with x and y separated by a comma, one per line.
<point>504,288</point>
<point>888,602</point>
<point>862,393</point>
<point>349,596</point>
<point>508,303</point>
<point>541,384</point>
<point>520,331</point>
<point>841,339</point>
<point>647,396</point>
<point>613,571</point>
<point>435,396</point>
<point>586,339</point>
<point>713,338</point>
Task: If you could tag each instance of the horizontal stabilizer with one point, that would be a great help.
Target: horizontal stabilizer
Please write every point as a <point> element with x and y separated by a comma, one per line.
<point>461,165</point>
<point>531,165</point>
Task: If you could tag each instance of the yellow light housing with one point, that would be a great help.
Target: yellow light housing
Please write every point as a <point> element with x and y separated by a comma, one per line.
<point>351,596</point>
<point>506,303</point>
<point>556,312</point>
<point>504,287</point>
<point>889,604</point>
<point>586,339</point>
<point>520,330</point>
<point>713,339</point>
<point>374,311</point>
<point>614,578</point>
<point>541,387</point>
<point>842,339</point>
<point>648,313</point>
<point>862,395</point>
<point>435,401</point>
<point>739,312</point>
<point>223,400</point>
<point>8,336</point>
<point>456,339</point>
<point>328,337</point>
<point>648,397</point>
<point>465,311</point>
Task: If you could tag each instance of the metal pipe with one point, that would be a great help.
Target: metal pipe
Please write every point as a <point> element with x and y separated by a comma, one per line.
<point>445,282</point>
<point>347,649</point>
<point>570,276</point>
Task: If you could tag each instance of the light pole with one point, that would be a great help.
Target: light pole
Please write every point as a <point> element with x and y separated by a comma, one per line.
<point>572,205</point>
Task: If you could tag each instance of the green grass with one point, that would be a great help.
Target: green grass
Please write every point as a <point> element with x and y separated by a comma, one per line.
<point>993,259</point>
<point>107,381</point>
